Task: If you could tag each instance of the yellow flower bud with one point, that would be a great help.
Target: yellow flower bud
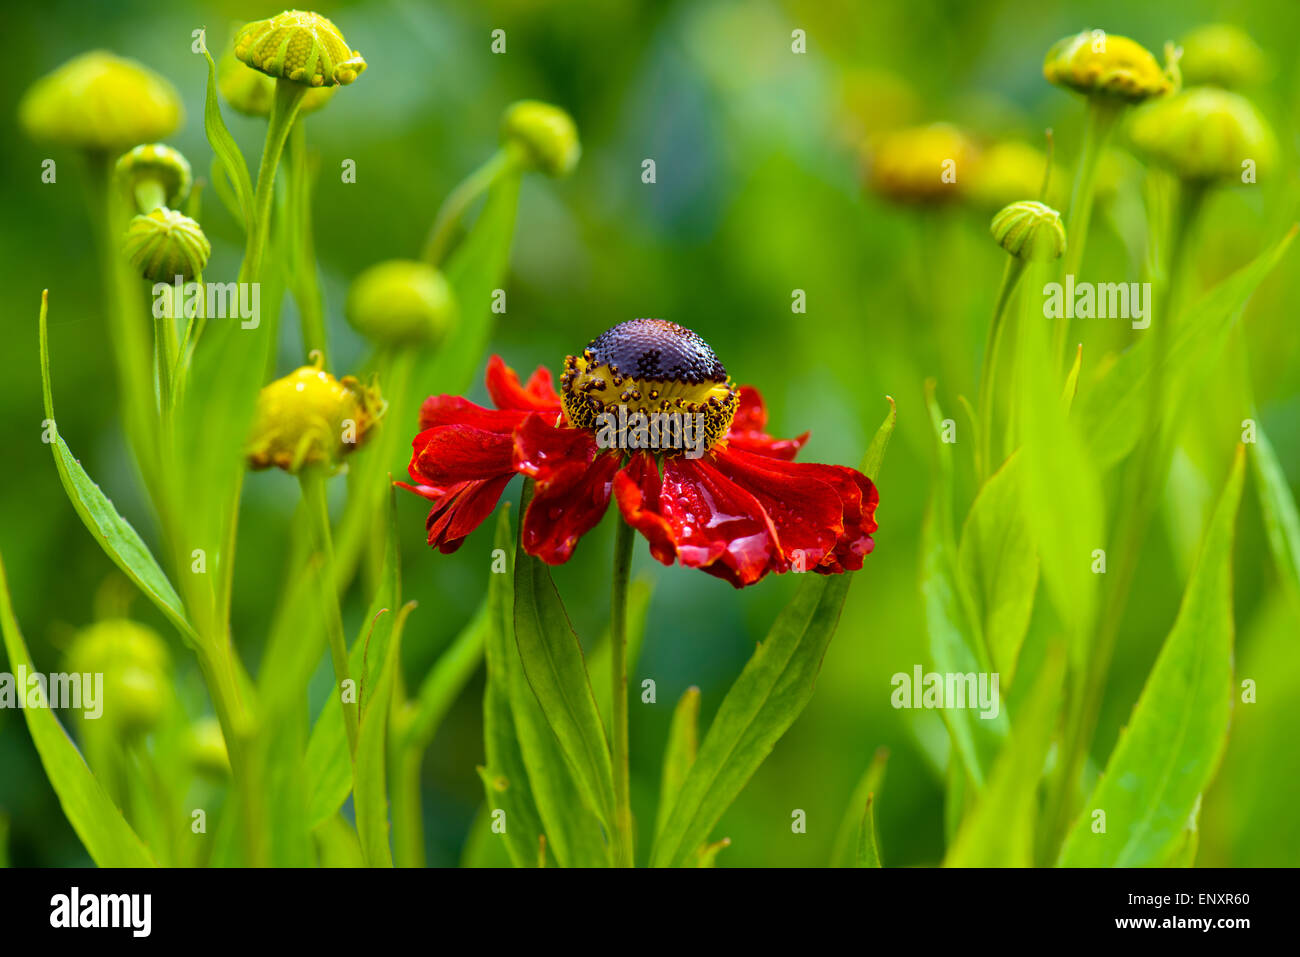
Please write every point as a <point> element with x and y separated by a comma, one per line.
<point>1221,55</point>
<point>1029,230</point>
<point>251,92</point>
<point>136,667</point>
<point>926,164</point>
<point>164,244</point>
<point>206,748</point>
<point>1011,170</point>
<point>402,302</point>
<point>154,175</point>
<point>1204,134</point>
<point>545,135</point>
<point>299,46</point>
<point>311,418</point>
<point>1097,63</point>
<point>98,101</point>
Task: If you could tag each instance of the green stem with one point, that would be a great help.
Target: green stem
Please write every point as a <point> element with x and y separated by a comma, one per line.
<point>284,110</point>
<point>1010,277</point>
<point>314,499</point>
<point>625,842</point>
<point>459,200</point>
<point>408,825</point>
<point>149,195</point>
<point>306,281</point>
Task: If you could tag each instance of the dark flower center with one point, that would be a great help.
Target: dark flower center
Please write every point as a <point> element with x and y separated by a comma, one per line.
<point>654,367</point>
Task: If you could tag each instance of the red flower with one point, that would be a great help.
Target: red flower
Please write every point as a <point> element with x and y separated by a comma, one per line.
<point>724,497</point>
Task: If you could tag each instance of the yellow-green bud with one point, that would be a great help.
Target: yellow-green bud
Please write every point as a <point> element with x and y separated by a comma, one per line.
<point>1221,55</point>
<point>251,92</point>
<point>135,664</point>
<point>402,302</point>
<point>99,101</point>
<point>1205,134</point>
<point>154,175</point>
<point>925,164</point>
<point>300,46</point>
<point>206,748</point>
<point>1097,63</point>
<point>1029,230</point>
<point>546,136</point>
<point>164,244</point>
<point>311,418</point>
<point>1009,170</point>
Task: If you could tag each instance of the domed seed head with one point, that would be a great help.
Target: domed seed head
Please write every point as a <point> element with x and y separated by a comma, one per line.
<point>1029,230</point>
<point>649,365</point>
<point>402,302</point>
<point>1096,63</point>
<point>99,101</point>
<point>164,244</point>
<point>206,748</point>
<point>251,92</point>
<point>1009,170</point>
<point>926,164</point>
<point>1221,55</point>
<point>299,46</point>
<point>311,418</point>
<point>1204,134</point>
<point>545,135</point>
<point>136,667</point>
<point>154,175</point>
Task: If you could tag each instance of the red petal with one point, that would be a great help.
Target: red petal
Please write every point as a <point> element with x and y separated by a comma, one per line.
<point>504,388</point>
<point>454,410</point>
<point>450,454</point>
<point>747,429</point>
<point>461,510</point>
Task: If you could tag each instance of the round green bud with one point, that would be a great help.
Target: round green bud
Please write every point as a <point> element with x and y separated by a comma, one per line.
<point>99,101</point>
<point>545,136</point>
<point>164,244</point>
<point>136,667</point>
<point>1205,134</point>
<point>251,92</point>
<point>154,175</point>
<point>1029,230</point>
<point>300,46</point>
<point>206,748</point>
<point>402,302</point>
<point>1096,63</point>
<point>1221,55</point>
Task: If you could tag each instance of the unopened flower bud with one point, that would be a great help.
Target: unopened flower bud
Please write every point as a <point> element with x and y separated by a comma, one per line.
<point>136,666</point>
<point>402,302</point>
<point>251,92</point>
<point>99,101</point>
<point>299,46</point>
<point>154,175</point>
<point>164,244</point>
<point>1221,55</point>
<point>206,748</point>
<point>926,164</point>
<point>1204,134</point>
<point>1096,63</point>
<point>311,418</point>
<point>1029,230</point>
<point>546,136</point>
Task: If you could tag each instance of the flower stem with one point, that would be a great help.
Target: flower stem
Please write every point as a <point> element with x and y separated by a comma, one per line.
<point>459,200</point>
<point>625,842</point>
<point>306,282</point>
<point>284,110</point>
<point>1010,277</point>
<point>314,499</point>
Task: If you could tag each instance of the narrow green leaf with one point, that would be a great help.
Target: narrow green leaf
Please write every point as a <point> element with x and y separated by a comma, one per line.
<point>875,455</point>
<point>224,145</point>
<point>1188,842</point>
<point>337,844</point>
<point>1281,520</point>
<point>999,831</point>
<point>707,856</point>
<point>99,824</point>
<point>842,853</point>
<point>1178,730</point>
<point>679,754</point>
<point>115,535</point>
<point>868,851</point>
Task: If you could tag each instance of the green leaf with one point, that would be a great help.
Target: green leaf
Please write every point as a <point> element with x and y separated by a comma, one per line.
<point>875,455</point>
<point>999,832</point>
<point>1178,730</point>
<point>1188,842</point>
<point>1281,521</point>
<point>1112,413</point>
<point>679,754</point>
<point>225,147</point>
<point>598,663</point>
<point>868,850</point>
<point>337,844</point>
<point>842,853</point>
<point>553,663</point>
<point>998,558</point>
<point>99,824</point>
<point>115,535</point>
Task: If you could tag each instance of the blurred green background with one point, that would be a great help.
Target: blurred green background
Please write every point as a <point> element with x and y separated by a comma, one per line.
<point>759,192</point>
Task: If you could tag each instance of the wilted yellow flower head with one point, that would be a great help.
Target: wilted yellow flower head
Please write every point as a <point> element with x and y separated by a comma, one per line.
<point>1009,171</point>
<point>251,92</point>
<point>311,418</point>
<point>299,46</point>
<point>546,135</point>
<point>136,666</point>
<point>163,244</point>
<point>1029,230</point>
<point>153,175</point>
<point>925,164</point>
<point>1205,134</point>
<point>402,302</point>
<point>1221,55</point>
<point>99,101</point>
<point>1097,63</point>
